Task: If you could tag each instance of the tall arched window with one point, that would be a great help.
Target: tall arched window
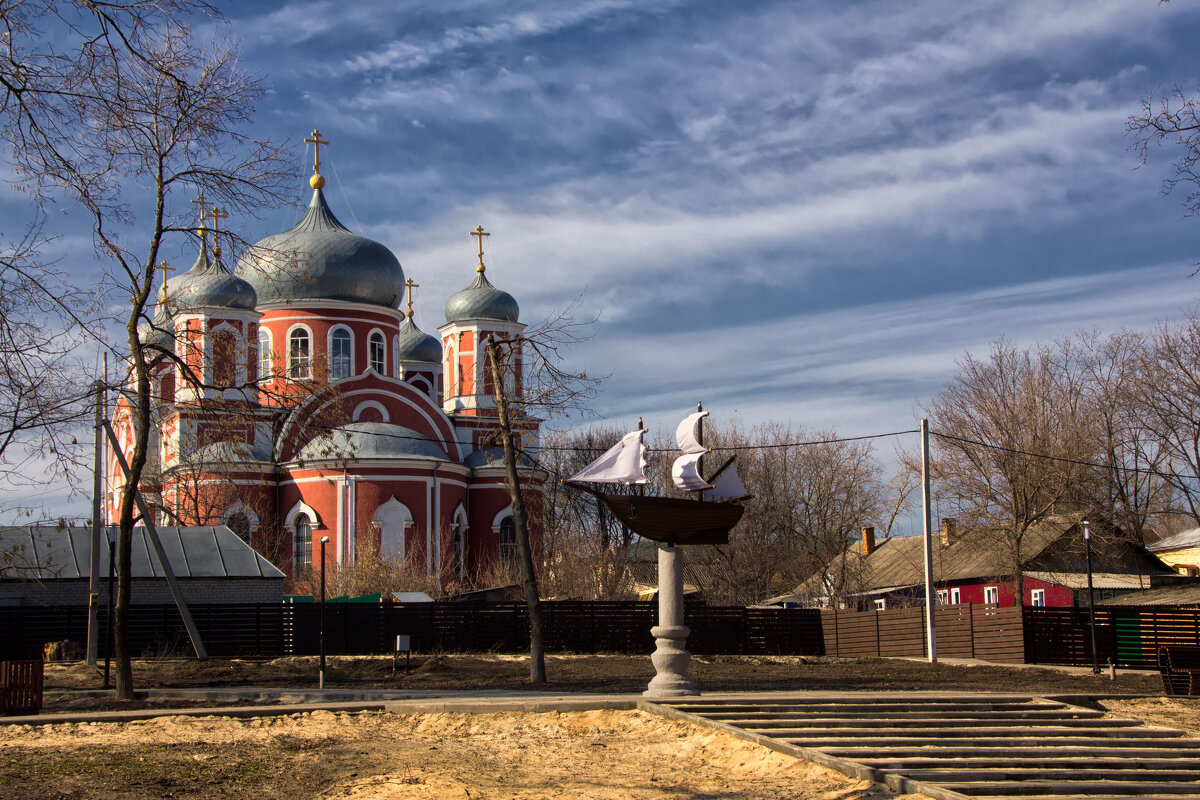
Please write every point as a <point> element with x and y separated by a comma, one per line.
<point>264,354</point>
<point>508,542</point>
<point>302,544</point>
<point>339,354</point>
<point>377,352</point>
<point>299,354</point>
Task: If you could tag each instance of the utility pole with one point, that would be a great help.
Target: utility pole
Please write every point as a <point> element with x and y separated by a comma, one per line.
<point>93,621</point>
<point>930,595</point>
<point>1087,550</point>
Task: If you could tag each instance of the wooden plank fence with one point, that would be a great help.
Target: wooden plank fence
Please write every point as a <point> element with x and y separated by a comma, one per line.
<point>985,632</point>
<point>273,630</point>
<point>1128,636</point>
<point>21,686</point>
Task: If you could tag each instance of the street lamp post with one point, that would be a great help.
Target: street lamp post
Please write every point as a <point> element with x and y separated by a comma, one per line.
<point>324,541</point>
<point>1087,551</point>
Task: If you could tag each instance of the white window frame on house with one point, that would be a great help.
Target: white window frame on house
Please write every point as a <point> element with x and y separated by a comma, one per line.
<point>991,595</point>
<point>881,604</point>
<point>264,354</point>
<point>341,365</point>
<point>955,596</point>
<point>377,351</point>
<point>943,596</point>
<point>1037,598</point>
<point>299,364</point>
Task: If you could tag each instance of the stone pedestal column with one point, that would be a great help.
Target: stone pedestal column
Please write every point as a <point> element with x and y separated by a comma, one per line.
<point>670,658</point>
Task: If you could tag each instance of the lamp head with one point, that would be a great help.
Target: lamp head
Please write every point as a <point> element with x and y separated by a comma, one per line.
<point>324,540</point>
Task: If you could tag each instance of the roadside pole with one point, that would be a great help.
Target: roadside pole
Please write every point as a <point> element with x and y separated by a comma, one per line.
<point>930,595</point>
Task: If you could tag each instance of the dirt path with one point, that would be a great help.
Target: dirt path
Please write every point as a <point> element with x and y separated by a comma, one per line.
<point>375,756</point>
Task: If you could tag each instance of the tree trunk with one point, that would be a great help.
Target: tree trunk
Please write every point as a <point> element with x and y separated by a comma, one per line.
<point>537,648</point>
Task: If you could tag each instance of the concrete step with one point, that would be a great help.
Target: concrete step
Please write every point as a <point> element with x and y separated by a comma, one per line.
<point>997,733</point>
<point>955,749</point>
<point>1081,772</point>
<point>1025,712</point>
<point>864,708</point>
<point>1060,788</point>
<point>914,721</point>
<point>1083,760</point>
<point>967,745</point>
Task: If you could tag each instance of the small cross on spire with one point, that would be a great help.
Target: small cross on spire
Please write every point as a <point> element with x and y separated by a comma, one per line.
<point>204,204</point>
<point>410,284</point>
<point>216,215</point>
<point>480,232</point>
<point>165,267</point>
<point>317,180</point>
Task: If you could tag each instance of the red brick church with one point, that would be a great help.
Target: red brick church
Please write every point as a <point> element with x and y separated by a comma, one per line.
<point>321,410</point>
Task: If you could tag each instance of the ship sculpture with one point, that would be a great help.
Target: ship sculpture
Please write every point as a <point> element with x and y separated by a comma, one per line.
<point>670,520</point>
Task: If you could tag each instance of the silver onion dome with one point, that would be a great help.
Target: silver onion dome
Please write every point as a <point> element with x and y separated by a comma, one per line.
<point>320,259</point>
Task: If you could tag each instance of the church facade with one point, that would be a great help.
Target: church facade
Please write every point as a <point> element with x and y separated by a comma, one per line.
<point>295,402</point>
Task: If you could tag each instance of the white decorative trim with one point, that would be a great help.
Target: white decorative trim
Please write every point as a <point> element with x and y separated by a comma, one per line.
<point>303,507</point>
<point>240,507</point>
<point>508,512</point>
<point>363,406</point>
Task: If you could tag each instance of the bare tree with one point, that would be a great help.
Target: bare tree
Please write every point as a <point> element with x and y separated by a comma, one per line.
<point>1173,115</point>
<point>527,379</point>
<point>1168,405</point>
<point>137,107</point>
<point>1012,443</point>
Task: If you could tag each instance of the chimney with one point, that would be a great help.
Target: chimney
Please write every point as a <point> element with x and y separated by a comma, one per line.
<point>868,540</point>
<point>948,531</point>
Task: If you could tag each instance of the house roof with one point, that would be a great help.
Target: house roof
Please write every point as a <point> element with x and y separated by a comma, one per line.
<point>1185,595</point>
<point>899,562</point>
<point>1183,540</point>
<point>62,553</point>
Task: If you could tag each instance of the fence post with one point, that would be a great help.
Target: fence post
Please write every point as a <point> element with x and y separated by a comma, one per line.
<point>878,650</point>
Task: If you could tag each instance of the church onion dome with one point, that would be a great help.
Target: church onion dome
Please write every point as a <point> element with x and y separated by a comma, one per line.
<point>481,300</point>
<point>320,259</point>
<point>413,345</point>
<point>209,285</point>
<point>367,440</point>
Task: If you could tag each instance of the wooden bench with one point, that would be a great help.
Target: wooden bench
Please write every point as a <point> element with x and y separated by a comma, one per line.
<point>1179,665</point>
<point>21,687</point>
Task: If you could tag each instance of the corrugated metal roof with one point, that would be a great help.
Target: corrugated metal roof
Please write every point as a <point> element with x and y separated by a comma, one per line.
<point>411,597</point>
<point>48,553</point>
<point>1100,580</point>
<point>1180,541</point>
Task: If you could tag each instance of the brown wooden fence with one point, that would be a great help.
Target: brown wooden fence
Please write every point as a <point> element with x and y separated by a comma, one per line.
<point>1129,636</point>
<point>963,631</point>
<point>21,687</point>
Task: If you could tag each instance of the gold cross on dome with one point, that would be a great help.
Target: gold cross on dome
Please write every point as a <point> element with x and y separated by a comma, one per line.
<point>316,141</point>
<point>480,232</point>
<point>410,284</point>
<point>165,267</point>
<point>216,215</point>
<point>204,204</point>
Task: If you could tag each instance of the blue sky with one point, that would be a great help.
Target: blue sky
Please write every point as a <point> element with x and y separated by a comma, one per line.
<point>800,211</point>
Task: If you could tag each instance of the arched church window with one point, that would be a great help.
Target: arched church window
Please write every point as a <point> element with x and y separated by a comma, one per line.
<point>377,351</point>
<point>299,355</point>
<point>339,354</point>
<point>239,523</point>
<point>508,542</point>
<point>264,354</point>
<point>224,360</point>
<point>302,544</point>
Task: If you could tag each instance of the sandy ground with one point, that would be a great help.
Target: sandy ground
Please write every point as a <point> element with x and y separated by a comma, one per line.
<point>378,756</point>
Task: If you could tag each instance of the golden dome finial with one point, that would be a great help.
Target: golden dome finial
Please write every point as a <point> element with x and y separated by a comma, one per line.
<point>410,284</point>
<point>479,231</point>
<point>317,180</point>
<point>216,215</point>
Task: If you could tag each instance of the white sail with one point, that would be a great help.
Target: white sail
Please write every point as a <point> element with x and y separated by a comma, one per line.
<point>624,462</point>
<point>687,435</point>
<point>728,485</point>
<point>685,472</point>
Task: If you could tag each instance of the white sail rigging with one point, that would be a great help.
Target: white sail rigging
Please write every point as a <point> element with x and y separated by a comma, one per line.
<point>727,485</point>
<point>687,435</point>
<point>624,462</point>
